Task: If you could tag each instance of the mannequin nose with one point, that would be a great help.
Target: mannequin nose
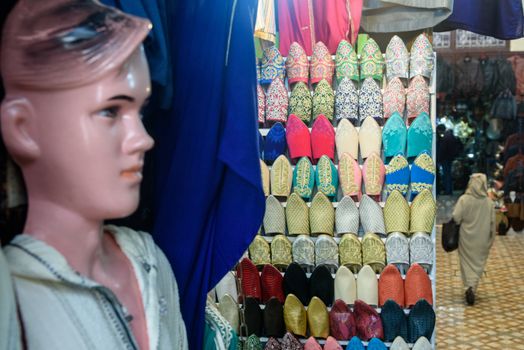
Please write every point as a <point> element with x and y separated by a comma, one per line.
<point>137,140</point>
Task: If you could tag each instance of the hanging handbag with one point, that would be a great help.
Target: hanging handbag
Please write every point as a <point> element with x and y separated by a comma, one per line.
<point>450,236</point>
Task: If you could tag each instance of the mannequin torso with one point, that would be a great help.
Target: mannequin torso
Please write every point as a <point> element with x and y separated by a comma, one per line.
<point>76,78</point>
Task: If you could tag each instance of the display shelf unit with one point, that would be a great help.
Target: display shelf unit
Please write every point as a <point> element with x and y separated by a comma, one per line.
<point>322,342</point>
<point>432,274</point>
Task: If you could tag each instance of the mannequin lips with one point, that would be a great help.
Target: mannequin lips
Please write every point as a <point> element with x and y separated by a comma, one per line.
<point>133,173</point>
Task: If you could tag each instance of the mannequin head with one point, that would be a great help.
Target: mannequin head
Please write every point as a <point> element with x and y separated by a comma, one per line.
<point>76,79</point>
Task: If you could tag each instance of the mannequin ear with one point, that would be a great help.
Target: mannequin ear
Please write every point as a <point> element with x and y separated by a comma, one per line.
<point>16,117</point>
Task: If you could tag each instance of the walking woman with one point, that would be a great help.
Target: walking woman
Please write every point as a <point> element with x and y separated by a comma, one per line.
<point>475,213</point>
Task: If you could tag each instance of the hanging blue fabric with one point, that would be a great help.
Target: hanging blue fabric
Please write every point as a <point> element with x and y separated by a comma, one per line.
<point>502,19</point>
<point>209,188</point>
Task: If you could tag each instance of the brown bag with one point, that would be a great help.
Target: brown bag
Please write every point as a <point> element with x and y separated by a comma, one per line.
<point>450,236</point>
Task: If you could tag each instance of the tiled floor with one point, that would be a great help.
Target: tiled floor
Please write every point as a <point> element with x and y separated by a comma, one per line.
<point>496,321</point>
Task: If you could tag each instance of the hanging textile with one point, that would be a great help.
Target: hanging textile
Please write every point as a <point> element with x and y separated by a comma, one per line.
<point>265,26</point>
<point>296,24</point>
<point>517,63</point>
<point>445,76</point>
<point>468,77</point>
<point>390,16</point>
<point>332,22</point>
<point>207,151</point>
<point>501,19</point>
<point>355,10</point>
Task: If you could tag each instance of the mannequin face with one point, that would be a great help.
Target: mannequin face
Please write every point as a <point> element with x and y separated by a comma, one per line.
<point>90,143</point>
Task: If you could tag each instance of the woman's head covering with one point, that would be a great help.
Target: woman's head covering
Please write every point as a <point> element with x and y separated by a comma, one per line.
<point>478,185</point>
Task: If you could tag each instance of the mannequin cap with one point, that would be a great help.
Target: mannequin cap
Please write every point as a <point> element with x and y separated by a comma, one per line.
<point>43,39</point>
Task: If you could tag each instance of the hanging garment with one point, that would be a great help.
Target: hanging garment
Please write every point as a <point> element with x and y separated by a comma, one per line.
<point>505,76</point>
<point>389,16</point>
<point>514,143</point>
<point>489,74</point>
<point>296,23</point>
<point>500,19</point>
<point>355,10</point>
<point>514,181</point>
<point>265,25</point>
<point>331,22</point>
<point>517,63</point>
<point>513,163</point>
<point>504,106</point>
<point>445,76</point>
<point>201,211</point>
<point>468,77</point>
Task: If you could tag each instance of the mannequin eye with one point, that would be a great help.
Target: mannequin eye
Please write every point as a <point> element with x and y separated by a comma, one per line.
<point>109,112</point>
